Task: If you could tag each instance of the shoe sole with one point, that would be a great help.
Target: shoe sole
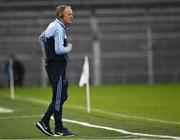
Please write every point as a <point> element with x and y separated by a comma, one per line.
<point>41,128</point>
<point>68,135</point>
<point>57,135</point>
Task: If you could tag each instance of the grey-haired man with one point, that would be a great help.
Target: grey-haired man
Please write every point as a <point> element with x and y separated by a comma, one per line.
<point>54,40</point>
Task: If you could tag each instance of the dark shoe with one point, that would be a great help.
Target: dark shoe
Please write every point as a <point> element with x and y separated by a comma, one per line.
<point>64,132</point>
<point>45,128</point>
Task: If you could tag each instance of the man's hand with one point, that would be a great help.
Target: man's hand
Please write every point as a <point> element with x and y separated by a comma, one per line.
<point>69,45</point>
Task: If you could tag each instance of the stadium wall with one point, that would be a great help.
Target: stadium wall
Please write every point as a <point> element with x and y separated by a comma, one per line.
<point>138,40</point>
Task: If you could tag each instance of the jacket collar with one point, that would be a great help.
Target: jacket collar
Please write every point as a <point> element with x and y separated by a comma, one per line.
<point>62,24</point>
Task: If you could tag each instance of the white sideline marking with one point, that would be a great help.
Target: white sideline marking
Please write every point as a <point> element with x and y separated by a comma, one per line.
<point>20,117</point>
<point>34,100</point>
<point>99,111</point>
<point>95,126</point>
<point>123,115</point>
<point>5,110</point>
<point>119,130</point>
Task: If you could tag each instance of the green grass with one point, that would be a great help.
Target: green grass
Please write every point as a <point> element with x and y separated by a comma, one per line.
<point>135,108</point>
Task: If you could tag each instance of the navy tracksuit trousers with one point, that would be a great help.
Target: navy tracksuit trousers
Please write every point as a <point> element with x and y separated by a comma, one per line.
<point>56,71</point>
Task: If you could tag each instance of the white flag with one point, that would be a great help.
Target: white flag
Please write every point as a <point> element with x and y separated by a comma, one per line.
<point>85,73</point>
<point>85,80</point>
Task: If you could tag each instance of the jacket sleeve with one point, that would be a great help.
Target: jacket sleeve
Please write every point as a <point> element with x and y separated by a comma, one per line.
<point>59,42</point>
<point>42,39</point>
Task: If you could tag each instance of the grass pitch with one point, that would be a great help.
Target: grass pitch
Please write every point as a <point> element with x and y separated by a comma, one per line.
<point>135,108</point>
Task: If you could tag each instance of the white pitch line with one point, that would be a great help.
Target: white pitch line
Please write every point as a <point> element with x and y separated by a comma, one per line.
<point>96,126</point>
<point>99,111</point>
<point>19,117</point>
<point>120,130</point>
<point>5,110</point>
<point>34,100</point>
<point>124,115</point>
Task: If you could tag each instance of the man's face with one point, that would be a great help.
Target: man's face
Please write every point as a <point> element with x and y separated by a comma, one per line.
<point>67,15</point>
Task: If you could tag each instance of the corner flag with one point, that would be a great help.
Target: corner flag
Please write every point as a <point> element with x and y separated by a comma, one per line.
<point>85,80</point>
<point>85,73</point>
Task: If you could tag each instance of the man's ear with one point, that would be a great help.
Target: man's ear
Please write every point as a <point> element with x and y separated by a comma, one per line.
<point>61,15</point>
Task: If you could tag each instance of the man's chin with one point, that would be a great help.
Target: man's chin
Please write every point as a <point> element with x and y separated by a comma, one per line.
<point>69,23</point>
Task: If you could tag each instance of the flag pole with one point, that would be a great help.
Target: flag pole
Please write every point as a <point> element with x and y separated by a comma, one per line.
<point>88,97</point>
<point>88,92</point>
<point>87,89</point>
<point>11,79</point>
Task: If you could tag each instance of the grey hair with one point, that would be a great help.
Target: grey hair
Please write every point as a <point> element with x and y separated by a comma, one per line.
<point>59,11</point>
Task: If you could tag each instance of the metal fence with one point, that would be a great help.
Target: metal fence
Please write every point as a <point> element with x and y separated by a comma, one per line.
<point>124,45</point>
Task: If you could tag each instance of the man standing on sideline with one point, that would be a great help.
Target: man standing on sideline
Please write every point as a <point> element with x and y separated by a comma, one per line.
<point>54,40</point>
